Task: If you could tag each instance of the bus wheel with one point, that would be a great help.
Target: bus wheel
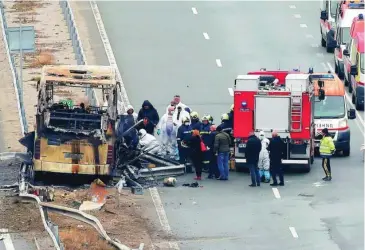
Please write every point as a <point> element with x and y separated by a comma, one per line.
<point>307,167</point>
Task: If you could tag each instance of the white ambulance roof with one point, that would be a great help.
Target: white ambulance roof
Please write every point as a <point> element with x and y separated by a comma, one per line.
<point>247,77</point>
<point>349,15</point>
<point>297,77</point>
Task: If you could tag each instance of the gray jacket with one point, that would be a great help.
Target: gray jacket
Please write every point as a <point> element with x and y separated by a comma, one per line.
<point>221,142</point>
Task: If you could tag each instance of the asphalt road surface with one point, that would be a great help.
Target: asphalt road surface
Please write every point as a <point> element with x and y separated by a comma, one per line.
<point>196,49</point>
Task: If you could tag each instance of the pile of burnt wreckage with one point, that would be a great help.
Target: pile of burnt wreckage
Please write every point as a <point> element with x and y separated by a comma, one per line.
<point>137,166</point>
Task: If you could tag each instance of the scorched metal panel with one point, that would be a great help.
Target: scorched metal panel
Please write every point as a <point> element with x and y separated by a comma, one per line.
<point>272,112</point>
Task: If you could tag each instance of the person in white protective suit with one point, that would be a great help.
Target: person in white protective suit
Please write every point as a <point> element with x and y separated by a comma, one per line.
<point>148,142</point>
<point>179,115</point>
<point>167,131</point>
<point>130,111</point>
<point>264,159</point>
<point>177,102</point>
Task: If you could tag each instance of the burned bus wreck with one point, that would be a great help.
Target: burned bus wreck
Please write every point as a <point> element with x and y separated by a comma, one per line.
<point>72,135</point>
<point>75,137</point>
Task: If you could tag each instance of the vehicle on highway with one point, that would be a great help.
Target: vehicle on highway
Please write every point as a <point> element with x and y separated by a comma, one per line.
<point>332,113</point>
<point>281,101</point>
<point>328,24</point>
<point>355,70</point>
<point>342,37</point>
<point>69,138</point>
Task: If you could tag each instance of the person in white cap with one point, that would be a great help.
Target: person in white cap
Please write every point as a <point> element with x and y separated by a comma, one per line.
<point>264,159</point>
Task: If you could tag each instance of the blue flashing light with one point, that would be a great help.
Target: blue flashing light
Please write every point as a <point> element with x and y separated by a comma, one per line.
<point>356,5</point>
<point>310,71</point>
<point>295,70</point>
<point>361,16</point>
<point>244,104</point>
<point>328,76</point>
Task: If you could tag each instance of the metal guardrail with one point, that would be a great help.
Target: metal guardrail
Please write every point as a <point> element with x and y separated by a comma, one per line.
<point>77,45</point>
<point>15,75</point>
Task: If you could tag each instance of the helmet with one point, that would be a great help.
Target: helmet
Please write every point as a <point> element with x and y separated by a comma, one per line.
<point>194,115</point>
<point>232,106</point>
<point>205,118</point>
<point>225,117</point>
<point>210,118</point>
<point>185,119</point>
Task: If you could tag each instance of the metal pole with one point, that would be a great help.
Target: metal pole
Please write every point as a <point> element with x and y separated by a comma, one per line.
<point>21,61</point>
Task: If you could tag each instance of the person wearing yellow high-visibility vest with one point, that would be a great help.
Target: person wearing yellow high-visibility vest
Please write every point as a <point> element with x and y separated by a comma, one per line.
<point>326,150</point>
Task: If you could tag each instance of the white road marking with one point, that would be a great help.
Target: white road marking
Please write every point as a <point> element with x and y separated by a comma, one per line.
<point>319,184</point>
<point>292,7</point>
<point>319,54</point>
<point>324,66</point>
<point>297,16</point>
<point>6,239</point>
<point>315,45</point>
<point>293,232</point>
<point>206,36</point>
<point>276,193</point>
<point>303,25</point>
<point>162,215</point>
<point>309,36</point>
<point>194,10</point>
<point>230,90</point>
<point>218,62</point>
<point>349,99</point>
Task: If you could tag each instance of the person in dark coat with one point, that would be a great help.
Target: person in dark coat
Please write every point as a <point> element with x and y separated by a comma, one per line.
<point>150,116</point>
<point>205,135</point>
<point>253,148</point>
<point>276,150</point>
<point>213,163</point>
<point>183,138</point>
<point>196,154</point>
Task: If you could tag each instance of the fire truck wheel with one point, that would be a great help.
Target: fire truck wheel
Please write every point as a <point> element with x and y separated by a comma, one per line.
<point>307,167</point>
<point>346,152</point>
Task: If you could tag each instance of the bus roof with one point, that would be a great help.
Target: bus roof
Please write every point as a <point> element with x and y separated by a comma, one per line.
<point>333,86</point>
<point>78,75</point>
<point>359,41</point>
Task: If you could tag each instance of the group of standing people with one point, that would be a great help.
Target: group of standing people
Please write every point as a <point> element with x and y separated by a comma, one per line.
<point>184,135</point>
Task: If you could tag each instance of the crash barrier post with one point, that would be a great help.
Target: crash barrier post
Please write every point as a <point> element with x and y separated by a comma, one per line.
<point>15,75</point>
<point>77,45</point>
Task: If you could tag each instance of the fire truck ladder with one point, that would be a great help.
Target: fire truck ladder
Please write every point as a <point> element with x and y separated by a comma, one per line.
<point>296,112</point>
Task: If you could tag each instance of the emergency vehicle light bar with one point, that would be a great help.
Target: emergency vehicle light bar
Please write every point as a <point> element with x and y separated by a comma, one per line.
<point>356,5</point>
<point>317,77</point>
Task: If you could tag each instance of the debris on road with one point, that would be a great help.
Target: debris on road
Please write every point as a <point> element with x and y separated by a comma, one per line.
<point>193,185</point>
<point>169,182</point>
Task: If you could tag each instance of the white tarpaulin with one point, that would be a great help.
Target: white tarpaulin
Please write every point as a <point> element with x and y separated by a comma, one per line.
<point>272,113</point>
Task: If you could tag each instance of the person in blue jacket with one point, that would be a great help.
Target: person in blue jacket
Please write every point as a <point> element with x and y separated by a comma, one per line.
<point>205,135</point>
<point>149,116</point>
<point>183,139</point>
<point>195,123</point>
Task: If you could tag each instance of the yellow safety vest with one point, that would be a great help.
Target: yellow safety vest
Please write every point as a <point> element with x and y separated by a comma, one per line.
<point>327,146</point>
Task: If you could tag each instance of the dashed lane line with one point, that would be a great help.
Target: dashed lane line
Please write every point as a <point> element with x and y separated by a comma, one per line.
<point>194,10</point>
<point>293,232</point>
<point>6,239</point>
<point>218,62</point>
<point>315,45</point>
<point>206,36</point>
<point>297,16</point>
<point>319,54</point>
<point>292,7</point>
<point>276,193</point>
<point>303,25</point>
<point>309,36</point>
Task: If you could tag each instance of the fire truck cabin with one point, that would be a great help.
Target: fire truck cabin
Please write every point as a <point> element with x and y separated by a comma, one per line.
<point>261,105</point>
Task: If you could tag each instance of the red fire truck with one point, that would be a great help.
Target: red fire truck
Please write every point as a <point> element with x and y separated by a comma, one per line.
<point>276,100</point>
